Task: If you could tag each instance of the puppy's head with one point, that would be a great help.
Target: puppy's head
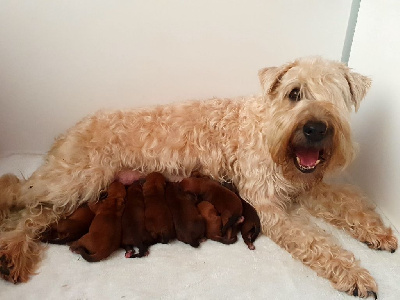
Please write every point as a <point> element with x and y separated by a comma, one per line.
<point>116,190</point>
<point>310,101</point>
<point>155,182</point>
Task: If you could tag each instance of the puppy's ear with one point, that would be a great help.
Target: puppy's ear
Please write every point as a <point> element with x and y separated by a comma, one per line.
<point>359,86</point>
<point>271,77</point>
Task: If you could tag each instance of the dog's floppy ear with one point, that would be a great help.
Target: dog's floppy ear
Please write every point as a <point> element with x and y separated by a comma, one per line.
<point>359,86</point>
<point>270,77</point>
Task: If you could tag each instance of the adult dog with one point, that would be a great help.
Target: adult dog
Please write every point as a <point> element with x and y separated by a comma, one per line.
<point>276,148</point>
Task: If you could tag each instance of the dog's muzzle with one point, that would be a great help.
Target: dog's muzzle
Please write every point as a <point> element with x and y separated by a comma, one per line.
<point>309,153</point>
<point>314,131</point>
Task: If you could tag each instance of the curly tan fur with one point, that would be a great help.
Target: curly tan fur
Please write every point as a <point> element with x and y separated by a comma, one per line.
<point>252,141</point>
<point>9,189</point>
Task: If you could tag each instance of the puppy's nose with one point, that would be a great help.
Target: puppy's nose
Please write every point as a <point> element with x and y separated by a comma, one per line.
<point>314,131</point>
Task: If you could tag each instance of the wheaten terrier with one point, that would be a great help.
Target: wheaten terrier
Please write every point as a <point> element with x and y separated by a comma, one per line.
<point>276,148</point>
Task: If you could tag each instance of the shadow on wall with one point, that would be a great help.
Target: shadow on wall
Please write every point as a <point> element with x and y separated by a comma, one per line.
<point>371,129</point>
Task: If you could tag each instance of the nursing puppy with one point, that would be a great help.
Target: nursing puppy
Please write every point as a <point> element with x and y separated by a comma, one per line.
<point>213,223</point>
<point>226,202</point>
<point>158,218</point>
<point>189,224</point>
<point>70,228</point>
<point>104,236</point>
<point>251,226</point>
<point>134,233</point>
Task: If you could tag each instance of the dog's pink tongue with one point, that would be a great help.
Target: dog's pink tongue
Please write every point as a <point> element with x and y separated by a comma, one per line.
<point>308,157</point>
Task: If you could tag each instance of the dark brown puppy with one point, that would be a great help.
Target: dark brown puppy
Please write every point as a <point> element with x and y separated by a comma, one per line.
<point>189,225</point>
<point>71,228</point>
<point>251,227</point>
<point>134,233</point>
<point>104,236</point>
<point>213,223</point>
<point>158,218</point>
<point>226,202</point>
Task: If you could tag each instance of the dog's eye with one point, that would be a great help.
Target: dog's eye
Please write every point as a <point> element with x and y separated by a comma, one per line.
<point>295,95</point>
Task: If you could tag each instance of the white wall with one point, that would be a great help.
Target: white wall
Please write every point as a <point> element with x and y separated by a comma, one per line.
<point>61,60</point>
<point>375,52</point>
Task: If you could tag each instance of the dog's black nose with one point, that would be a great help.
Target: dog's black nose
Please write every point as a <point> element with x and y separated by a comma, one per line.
<point>314,131</point>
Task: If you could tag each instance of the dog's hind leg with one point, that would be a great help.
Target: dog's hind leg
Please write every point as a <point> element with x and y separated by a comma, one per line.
<point>54,190</point>
<point>346,208</point>
<point>20,250</point>
<point>316,250</point>
<point>9,192</point>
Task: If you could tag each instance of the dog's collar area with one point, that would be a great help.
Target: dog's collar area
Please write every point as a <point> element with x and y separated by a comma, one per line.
<point>307,159</point>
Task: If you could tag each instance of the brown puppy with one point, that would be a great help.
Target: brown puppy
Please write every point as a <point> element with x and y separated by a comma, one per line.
<point>134,233</point>
<point>158,218</point>
<point>251,227</point>
<point>70,228</point>
<point>189,224</point>
<point>213,223</point>
<point>226,202</point>
<point>104,234</point>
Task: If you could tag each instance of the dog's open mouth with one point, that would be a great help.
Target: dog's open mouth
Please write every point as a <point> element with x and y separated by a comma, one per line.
<point>307,159</point>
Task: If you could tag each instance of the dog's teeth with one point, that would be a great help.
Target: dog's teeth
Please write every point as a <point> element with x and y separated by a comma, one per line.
<point>317,162</point>
<point>298,160</point>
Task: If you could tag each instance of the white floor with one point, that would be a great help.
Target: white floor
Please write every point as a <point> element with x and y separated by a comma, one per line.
<point>177,271</point>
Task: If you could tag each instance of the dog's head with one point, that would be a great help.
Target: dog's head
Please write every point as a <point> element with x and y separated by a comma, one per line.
<point>310,102</point>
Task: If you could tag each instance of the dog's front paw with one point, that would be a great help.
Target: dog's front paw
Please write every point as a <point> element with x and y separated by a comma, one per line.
<point>386,242</point>
<point>357,282</point>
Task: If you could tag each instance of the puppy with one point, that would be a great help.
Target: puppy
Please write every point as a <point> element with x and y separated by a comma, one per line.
<point>134,233</point>
<point>70,228</point>
<point>213,223</point>
<point>104,236</point>
<point>251,227</point>
<point>189,224</point>
<point>158,218</point>
<point>226,202</point>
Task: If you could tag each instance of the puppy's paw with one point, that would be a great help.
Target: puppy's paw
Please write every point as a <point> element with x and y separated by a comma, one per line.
<point>129,254</point>
<point>251,246</point>
<point>74,246</point>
